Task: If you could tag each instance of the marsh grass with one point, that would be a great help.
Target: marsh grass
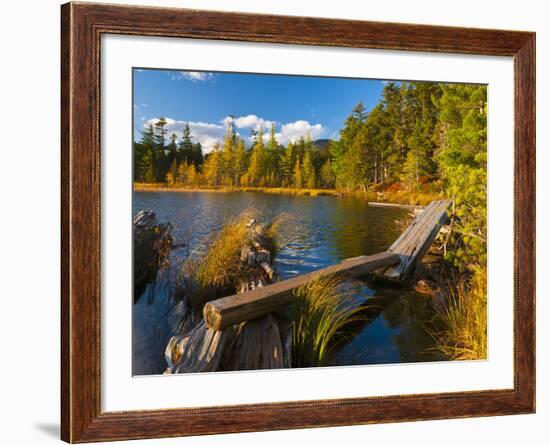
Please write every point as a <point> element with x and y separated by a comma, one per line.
<point>319,313</point>
<point>388,196</point>
<point>464,333</point>
<point>221,270</point>
<point>221,266</point>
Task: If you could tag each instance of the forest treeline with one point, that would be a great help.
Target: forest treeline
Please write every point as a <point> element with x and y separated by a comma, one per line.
<point>421,136</point>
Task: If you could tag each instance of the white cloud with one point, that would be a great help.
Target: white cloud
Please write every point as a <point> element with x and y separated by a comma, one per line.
<point>194,76</point>
<point>209,134</point>
<point>295,130</point>
<point>250,122</point>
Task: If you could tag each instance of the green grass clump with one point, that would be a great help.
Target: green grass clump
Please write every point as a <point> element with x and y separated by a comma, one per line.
<point>464,336</point>
<point>222,267</point>
<point>221,271</point>
<point>319,314</point>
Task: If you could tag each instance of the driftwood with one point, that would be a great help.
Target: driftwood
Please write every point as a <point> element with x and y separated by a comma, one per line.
<point>199,350</point>
<point>224,312</point>
<point>250,345</point>
<point>391,204</point>
<point>416,239</point>
<point>152,244</point>
<point>256,345</point>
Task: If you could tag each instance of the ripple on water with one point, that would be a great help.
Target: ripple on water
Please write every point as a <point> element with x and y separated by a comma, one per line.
<point>317,232</point>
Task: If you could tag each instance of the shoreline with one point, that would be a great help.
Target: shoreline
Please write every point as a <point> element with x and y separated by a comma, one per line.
<point>401,198</point>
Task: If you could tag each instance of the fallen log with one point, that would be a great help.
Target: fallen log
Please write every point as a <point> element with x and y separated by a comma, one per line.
<point>256,345</point>
<point>199,350</point>
<point>250,345</point>
<point>391,204</point>
<point>152,244</point>
<point>228,311</point>
<point>416,239</point>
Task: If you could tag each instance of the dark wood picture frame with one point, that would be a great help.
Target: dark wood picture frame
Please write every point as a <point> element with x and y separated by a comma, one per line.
<point>82,26</point>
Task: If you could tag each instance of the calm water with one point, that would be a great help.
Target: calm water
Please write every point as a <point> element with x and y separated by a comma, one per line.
<point>319,231</point>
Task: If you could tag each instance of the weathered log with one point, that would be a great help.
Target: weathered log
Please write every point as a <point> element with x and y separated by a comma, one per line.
<point>152,244</point>
<point>200,350</point>
<point>224,312</point>
<point>249,345</point>
<point>391,204</point>
<point>256,345</point>
<point>416,239</point>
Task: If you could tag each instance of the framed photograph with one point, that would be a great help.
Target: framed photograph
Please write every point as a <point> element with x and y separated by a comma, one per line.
<point>275,222</point>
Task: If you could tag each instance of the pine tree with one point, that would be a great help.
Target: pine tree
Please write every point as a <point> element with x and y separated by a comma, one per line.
<point>288,161</point>
<point>172,149</point>
<point>228,170</point>
<point>327,177</point>
<point>192,176</point>
<point>172,175</point>
<point>415,161</point>
<point>297,180</point>
<point>160,166</point>
<point>462,159</point>
<point>272,159</point>
<point>359,113</point>
<point>378,139</point>
<point>145,156</point>
<point>339,149</point>
<point>185,148</point>
<point>241,161</point>
<point>256,170</point>
<point>308,172</point>
<point>197,156</point>
<point>355,165</point>
<point>211,167</point>
<point>160,133</point>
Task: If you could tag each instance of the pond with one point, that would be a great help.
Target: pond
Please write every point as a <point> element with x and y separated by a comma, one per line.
<point>319,231</point>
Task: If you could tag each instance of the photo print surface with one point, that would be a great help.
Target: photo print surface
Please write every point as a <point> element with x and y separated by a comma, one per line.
<point>285,221</point>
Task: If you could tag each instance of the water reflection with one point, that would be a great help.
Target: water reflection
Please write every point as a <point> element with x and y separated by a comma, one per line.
<point>317,232</point>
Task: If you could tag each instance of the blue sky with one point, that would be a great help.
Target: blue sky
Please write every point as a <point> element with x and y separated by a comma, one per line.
<point>296,104</point>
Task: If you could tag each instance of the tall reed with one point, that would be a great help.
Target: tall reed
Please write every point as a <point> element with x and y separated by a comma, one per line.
<point>464,333</point>
<point>319,312</point>
<point>222,269</point>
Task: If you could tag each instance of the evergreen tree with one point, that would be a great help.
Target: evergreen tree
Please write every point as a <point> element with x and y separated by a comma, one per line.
<point>359,113</point>
<point>197,155</point>
<point>211,167</point>
<point>228,171</point>
<point>172,149</point>
<point>298,180</point>
<point>339,149</point>
<point>160,166</point>
<point>160,133</point>
<point>355,165</point>
<point>256,169</point>
<point>308,172</point>
<point>272,159</point>
<point>288,161</point>
<point>462,159</point>
<point>144,156</point>
<point>327,178</point>
<point>172,175</point>
<point>241,162</point>
<point>185,149</point>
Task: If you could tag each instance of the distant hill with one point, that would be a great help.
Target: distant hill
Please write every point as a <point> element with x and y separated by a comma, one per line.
<point>321,143</point>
